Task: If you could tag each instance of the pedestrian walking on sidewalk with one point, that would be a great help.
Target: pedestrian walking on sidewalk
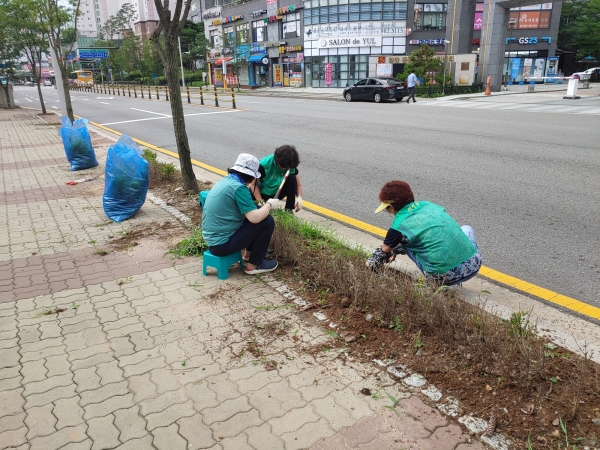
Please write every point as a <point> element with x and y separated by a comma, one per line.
<point>231,220</point>
<point>444,251</point>
<point>411,82</point>
<point>273,168</point>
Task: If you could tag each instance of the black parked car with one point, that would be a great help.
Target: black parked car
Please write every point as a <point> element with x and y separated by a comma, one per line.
<point>376,89</point>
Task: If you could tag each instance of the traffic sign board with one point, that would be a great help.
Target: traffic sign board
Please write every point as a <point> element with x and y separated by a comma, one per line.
<point>93,54</point>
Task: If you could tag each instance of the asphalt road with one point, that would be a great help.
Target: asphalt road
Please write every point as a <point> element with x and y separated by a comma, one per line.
<point>528,183</point>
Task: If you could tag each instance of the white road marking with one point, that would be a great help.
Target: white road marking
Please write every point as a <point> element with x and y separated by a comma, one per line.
<point>55,107</point>
<point>104,98</point>
<point>56,101</point>
<point>156,118</point>
<point>150,112</point>
<point>104,103</point>
<point>27,99</point>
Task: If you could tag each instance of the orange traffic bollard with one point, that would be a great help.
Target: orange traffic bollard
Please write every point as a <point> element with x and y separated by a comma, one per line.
<point>488,89</point>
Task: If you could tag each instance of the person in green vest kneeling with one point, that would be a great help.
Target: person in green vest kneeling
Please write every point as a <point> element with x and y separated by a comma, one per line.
<point>444,251</point>
<point>231,220</point>
<point>273,168</point>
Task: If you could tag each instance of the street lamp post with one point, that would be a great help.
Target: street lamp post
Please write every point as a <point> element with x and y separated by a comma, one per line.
<point>446,42</point>
<point>181,62</point>
<point>511,26</point>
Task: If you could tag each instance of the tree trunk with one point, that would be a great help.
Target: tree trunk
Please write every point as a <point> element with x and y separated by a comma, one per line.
<point>183,146</point>
<point>37,81</point>
<point>5,89</point>
<point>62,66</point>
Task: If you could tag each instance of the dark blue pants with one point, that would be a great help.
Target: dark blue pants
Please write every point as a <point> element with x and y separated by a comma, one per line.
<point>254,237</point>
<point>289,191</point>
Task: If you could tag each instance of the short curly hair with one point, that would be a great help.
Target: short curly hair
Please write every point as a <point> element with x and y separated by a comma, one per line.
<point>398,193</point>
<point>287,157</point>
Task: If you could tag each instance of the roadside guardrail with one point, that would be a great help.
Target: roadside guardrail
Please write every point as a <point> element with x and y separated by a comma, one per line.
<point>204,95</point>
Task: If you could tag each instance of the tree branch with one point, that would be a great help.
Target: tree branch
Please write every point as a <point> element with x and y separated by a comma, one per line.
<point>75,24</point>
<point>185,15</point>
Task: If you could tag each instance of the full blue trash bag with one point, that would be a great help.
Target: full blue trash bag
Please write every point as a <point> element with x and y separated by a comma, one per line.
<point>78,144</point>
<point>126,180</point>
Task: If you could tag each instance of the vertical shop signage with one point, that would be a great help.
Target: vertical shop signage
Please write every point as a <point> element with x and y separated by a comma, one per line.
<point>514,68</point>
<point>218,76</point>
<point>277,75</point>
<point>328,74</point>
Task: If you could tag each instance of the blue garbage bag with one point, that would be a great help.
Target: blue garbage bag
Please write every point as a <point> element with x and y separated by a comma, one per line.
<point>78,144</point>
<point>126,180</point>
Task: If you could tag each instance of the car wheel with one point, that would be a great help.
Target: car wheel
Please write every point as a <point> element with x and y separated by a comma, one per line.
<point>377,97</point>
<point>399,99</point>
<point>348,97</point>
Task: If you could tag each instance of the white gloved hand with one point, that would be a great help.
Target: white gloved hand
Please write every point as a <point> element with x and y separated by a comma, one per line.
<point>298,203</point>
<point>273,202</point>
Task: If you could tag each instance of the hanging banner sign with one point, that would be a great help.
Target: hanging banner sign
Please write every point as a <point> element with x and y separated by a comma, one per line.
<point>328,74</point>
<point>277,75</point>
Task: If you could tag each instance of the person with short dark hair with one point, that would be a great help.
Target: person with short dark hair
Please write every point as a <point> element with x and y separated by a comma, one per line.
<point>273,169</point>
<point>411,83</point>
<point>231,221</point>
<point>444,251</point>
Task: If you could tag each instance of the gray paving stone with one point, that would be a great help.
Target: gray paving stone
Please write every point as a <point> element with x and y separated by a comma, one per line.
<point>306,435</point>
<point>40,421</point>
<point>47,384</point>
<point>88,352</point>
<point>109,372</point>
<point>75,341</point>
<point>103,433</point>
<point>50,330</point>
<point>167,438</point>
<point>12,383</point>
<point>14,438</point>
<point>162,402</point>
<point>226,410</point>
<point>262,437</point>
<point>293,420</point>
<point>142,387</point>
<point>9,343</point>
<point>39,354</point>
<point>50,396</point>
<point>138,357</point>
<point>9,357</point>
<point>60,438</point>
<point>164,380</point>
<point>103,393</point>
<point>197,434</point>
<point>86,379</point>
<point>81,326</point>
<point>170,415</point>
<point>223,387</point>
<point>238,442</point>
<point>144,366</point>
<point>141,340</point>
<point>137,444</point>
<point>68,412</point>
<point>258,381</point>
<point>336,416</point>
<point>29,334</point>
<point>92,361</point>
<point>10,372</point>
<point>237,424</point>
<point>122,346</point>
<point>94,336</point>
<point>83,445</point>
<point>130,424</point>
<point>58,365</point>
<point>108,406</point>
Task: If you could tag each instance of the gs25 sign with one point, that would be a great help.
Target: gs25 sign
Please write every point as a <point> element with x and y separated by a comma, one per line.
<point>528,40</point>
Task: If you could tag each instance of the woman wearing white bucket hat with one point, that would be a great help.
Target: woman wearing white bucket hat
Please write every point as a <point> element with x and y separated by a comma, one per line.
<point>232,222</point>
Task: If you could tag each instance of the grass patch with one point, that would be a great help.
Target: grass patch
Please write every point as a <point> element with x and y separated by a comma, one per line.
<point>195,245</point>
<point>159,171</point>
<point>424,313</point>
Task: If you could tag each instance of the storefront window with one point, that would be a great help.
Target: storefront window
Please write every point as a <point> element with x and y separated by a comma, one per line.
<point>355,12</point>
<point>215,38</point>
<point>243,31</point>
<point>430,16</point>
<point>291,26</point>
<point>228,31</point>
<point>346,69</point>
<point>259,31</point>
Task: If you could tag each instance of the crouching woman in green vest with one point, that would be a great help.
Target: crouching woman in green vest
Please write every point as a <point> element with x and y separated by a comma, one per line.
<point>232,222</point>
<point>444,251</point>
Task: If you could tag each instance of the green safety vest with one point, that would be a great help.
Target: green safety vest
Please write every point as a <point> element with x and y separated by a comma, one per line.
<point>435,239</point>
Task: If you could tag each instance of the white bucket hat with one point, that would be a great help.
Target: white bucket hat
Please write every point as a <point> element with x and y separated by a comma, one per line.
<point>248,164</point>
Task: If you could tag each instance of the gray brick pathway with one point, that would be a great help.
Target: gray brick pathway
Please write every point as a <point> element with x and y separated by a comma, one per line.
<point>148,354</point>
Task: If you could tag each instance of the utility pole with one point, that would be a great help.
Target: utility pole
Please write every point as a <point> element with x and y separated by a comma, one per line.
<point>511,26</point>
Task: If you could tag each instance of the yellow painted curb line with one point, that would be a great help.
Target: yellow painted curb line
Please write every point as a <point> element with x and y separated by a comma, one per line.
<point>515,283</point>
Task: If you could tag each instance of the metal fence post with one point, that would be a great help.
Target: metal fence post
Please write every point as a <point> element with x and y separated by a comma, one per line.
<point>201,96</point>
<point>149,93</point>
<point>134,91</point>
<point>157,97</point>
<point>167,92</point>
<point>187,88</point>
<point>233,98</point>
<point>129,90</point>
<point>216,96</point>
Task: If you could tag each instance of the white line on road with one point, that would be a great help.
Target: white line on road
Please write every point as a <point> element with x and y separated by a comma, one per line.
<point>55,107</point>
<point>27,99</point>
<point>157,118</point>
<point>150,112</point>
<point>104,103</point>
<point>56,101</point>
<point>104,98</point>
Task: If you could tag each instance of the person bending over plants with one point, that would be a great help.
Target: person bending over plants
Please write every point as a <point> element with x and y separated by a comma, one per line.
<point>273,169</point>
<point>232,222</point>
<point>444,251</point>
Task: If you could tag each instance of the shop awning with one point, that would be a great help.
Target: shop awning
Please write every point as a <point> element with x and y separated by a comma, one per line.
<point>256,58</point>
<point>220,61</point>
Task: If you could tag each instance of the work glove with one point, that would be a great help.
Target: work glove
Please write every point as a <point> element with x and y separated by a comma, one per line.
<point>399,250</point>
<point>378,259</point>
<point>298,203</point>
<point>273,202</point>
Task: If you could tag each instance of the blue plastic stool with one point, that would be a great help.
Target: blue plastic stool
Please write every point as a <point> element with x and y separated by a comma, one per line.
<point>221,263</point>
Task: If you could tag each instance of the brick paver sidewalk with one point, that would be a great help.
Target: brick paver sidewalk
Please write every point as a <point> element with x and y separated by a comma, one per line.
<point>148,354</point>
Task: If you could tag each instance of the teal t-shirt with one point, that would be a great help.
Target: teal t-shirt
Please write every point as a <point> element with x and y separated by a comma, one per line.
<point>224,210</point>
<point>273,176</point>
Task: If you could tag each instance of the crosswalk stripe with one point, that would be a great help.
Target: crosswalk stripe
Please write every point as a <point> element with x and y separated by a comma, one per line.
<point>510,106</point>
